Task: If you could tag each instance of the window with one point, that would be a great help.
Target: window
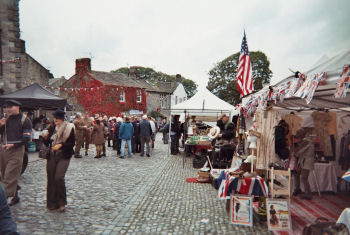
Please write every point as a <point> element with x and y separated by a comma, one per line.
<point>180,100</point>
<point>163,100</point>
<point>138,96</point>
<point>184,98</point>
<point>122,96</point>
<point>175,99</point>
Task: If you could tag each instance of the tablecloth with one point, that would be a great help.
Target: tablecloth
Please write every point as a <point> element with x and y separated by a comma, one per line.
<point>326,177</point>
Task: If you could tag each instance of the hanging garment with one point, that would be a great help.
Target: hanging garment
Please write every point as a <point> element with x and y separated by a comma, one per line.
<point>333,125</point>
<point>281,141</point>
<point>265,123</point>
<point>321,120</point>
<point>344,158</point>
<point>294,122</point>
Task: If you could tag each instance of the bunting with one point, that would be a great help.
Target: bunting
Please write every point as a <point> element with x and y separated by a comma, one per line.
<point>343,82</point>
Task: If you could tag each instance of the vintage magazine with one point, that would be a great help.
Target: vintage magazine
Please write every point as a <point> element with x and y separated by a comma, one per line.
<point>241,211</point>
<point>278,215</point>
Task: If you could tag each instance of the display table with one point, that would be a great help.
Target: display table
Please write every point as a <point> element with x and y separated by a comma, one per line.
<point>326,177</point>
<point>196,148</point>
<point>344,218</point>
<point>248,186</point>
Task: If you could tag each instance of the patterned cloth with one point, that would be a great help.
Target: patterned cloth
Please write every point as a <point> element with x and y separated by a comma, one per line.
<point>248,186</point>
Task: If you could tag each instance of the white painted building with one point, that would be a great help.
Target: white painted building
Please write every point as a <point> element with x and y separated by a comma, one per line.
<point>178,96</point>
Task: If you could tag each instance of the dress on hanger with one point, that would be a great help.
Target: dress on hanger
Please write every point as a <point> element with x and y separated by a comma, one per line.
<point>294,122</point>
<point>321,120</point>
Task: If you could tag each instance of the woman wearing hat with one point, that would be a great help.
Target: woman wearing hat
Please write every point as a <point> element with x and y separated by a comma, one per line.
<point>98,137</point>
<point>61,139</point>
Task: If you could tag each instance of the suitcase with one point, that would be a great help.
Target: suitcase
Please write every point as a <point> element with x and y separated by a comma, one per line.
<point>325,228</point>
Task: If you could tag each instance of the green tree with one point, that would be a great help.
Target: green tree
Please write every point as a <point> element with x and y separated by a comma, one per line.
<point>153,76</point>
<point>222,78</point>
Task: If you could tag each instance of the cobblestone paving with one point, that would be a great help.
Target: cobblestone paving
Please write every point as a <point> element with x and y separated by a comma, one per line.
<point>137,195</point>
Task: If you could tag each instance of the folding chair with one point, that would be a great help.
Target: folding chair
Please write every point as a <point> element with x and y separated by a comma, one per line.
<point>283,191</point>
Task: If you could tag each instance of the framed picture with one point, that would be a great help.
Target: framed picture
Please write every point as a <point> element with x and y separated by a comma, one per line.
<point>278,214</point>
<point>241,210</point>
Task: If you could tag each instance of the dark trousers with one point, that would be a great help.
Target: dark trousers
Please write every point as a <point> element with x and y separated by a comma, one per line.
<point>133,145</point>
<point>117,144</point>
<point>145,140</point>
<point>56,169</point>
<point>137,144</point>
<point>174,145</point>
<point>165,138</point>
<point>104,148</point>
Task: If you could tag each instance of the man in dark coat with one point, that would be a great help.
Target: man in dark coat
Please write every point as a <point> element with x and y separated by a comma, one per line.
<point>116,134</point>
<point>15,130</point>
<point>136,124</point>
<point>145,135</point>
<point>175,134</point>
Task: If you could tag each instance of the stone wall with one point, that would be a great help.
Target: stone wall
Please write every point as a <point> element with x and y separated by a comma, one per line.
<point>154,102</point>
<point>21,72</point>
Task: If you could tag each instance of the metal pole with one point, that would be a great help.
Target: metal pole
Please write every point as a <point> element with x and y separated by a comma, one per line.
<point>183,136</point>
<point>169,140</point>
<point>1,64</point>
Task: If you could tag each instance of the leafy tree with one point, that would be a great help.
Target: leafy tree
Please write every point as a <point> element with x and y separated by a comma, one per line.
<point>153,76</point>
<point>222,78</point>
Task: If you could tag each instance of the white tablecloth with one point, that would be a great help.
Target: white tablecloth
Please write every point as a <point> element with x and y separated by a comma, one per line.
<point>326,177</point>
<point>344,218</point>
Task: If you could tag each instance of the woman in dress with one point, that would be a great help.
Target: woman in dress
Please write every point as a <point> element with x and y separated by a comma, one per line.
<point>98,137</point>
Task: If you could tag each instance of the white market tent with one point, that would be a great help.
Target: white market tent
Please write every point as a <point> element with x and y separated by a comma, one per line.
<point>204,103</point>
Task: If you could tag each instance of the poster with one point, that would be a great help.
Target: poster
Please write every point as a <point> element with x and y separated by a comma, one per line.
<point>278,215</point>
<point>241,211</point>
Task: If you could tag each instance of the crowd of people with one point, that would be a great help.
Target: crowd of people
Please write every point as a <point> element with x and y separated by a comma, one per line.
<point>117,132</point>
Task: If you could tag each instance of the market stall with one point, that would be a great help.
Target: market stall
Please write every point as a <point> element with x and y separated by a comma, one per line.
<point>316,101</point>
<point>204,105</point>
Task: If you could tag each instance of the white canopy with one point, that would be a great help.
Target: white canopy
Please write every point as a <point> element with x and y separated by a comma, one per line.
<point>204,103</point>
<point>324,95</point>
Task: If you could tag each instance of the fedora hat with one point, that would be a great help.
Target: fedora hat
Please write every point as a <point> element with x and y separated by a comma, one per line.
<point>214,132</point>
<point>59,114</point>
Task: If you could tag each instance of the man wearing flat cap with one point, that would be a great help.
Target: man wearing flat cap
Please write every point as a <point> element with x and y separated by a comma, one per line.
<point>15,130</point>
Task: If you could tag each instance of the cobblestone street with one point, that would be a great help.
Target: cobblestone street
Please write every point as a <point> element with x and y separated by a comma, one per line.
<point>137,195</point>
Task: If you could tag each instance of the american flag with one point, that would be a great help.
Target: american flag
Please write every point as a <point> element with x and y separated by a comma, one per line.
<point>244,73</point>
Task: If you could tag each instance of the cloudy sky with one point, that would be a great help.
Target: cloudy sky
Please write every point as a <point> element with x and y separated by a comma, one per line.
<point>182,36</point>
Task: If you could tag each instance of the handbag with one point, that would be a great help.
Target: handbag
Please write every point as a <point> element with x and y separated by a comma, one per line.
<point>44,151</point>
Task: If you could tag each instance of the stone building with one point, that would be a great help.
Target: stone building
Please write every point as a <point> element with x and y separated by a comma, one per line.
<point>17,68</point>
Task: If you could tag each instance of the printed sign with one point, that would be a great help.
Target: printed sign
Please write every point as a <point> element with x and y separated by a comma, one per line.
<point>278,215</point>
<point>241,210</point>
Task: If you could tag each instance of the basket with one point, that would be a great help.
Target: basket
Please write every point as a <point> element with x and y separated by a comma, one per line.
<point>203,174</point>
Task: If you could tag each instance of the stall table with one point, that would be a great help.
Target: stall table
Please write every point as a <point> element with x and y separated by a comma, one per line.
<point>255,186</point>
<point>326,178</point>
<point>196,148</point>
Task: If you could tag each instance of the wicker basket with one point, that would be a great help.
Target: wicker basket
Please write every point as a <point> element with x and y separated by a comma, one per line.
<point>203,174</point>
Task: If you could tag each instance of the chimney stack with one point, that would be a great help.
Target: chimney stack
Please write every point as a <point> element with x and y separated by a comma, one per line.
<point>82,66</point>
<point>133,72</point>
<point>178,78</point>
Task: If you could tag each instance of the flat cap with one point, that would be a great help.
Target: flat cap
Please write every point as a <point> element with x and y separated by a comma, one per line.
<point>11,102</point>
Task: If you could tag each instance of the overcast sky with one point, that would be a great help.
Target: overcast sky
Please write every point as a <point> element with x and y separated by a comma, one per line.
<point>182,36</point>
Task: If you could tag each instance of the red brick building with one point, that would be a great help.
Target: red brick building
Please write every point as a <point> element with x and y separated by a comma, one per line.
<point>103,92</point>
